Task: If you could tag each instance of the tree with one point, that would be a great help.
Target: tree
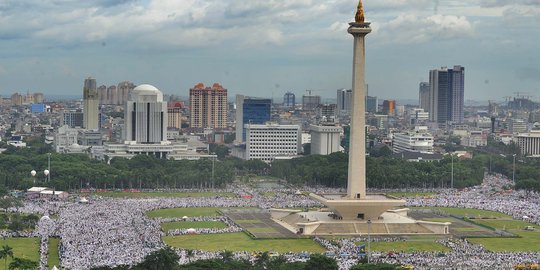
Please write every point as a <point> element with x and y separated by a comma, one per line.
<point>22,264</point>
<point>163,259</point>
<point>6,252</point>
<point>319,261</point>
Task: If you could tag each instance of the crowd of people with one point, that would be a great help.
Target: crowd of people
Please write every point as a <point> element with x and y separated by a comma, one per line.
<point>113,232</point>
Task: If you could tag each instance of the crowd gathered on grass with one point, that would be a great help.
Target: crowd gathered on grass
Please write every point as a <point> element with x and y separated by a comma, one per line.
<point>119,231</point>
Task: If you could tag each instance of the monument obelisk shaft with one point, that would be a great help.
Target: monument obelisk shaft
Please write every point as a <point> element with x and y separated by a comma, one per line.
<point>356,183</point>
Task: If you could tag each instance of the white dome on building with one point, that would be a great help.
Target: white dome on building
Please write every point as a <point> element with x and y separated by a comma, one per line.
<point>146,93</point>
<point>146,88</point>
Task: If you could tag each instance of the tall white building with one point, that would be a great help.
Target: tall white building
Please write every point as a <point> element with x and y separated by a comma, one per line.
<point>90,104</point>
<point>325,140</point>
<point>419,140</point>
<point>270,141</point>
<point>529,143</point>
<point>146,116</point>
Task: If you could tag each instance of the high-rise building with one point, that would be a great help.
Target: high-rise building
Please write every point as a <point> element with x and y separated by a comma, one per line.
<point>446,96</point>
<point>389,107</point>
<point>38,98</point>
<point>251,110</point>
<point>208,106</point>
<point>174,115</point>
<point>289,100</point>
<point>325,140</point>
<point>123,90</point>
<point>102,94</point>
<point>112,95</point>
<point>423,96</point>
<point>145,116</point>
<point>90,104</point>
<point>73,119</point>
<point>310,102</point>
<point>270,141</point>
<point>326,112</point>
<point>371,104</point>
<point>344,99</point>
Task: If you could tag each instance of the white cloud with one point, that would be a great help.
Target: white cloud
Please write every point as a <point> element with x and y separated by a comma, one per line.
<point>412,29</point>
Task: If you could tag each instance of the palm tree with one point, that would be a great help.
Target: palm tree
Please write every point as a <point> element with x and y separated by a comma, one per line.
<point>22,264</point>
<point>6,252</point>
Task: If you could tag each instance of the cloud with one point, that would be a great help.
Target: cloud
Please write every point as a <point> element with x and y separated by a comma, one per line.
<point>502,3</point>
<point>528,73</point>
<point>413,29</point>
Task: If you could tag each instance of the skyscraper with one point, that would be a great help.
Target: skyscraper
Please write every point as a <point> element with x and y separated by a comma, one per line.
<point>446,95</point>
<point>251,110</point>
<point>372,104</point>
<point>344,98</point>
<point>90,104</point>
<point>145,116</point>
<point>310,102</point>
<point>289,100</point>
<point>389,107</point>
<point>423,96</point>
<point>208,106</point>
<point>174,115</point>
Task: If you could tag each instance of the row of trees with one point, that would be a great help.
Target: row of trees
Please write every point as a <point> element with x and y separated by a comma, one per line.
<point>16,263</point>
<point>76,171</point>
<point>167,259</point>
<point>382,172</point>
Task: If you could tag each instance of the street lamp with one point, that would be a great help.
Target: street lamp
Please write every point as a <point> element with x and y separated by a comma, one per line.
<point>514,170</point>
<point>369,240</point>
<point>45,172</point>
<point>452,178</point>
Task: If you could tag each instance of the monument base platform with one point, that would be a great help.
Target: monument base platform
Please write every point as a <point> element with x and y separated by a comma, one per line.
<point>323,223</point>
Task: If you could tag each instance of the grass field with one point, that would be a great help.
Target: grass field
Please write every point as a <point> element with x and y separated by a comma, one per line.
<point>164,194</point>
<point>530,242</point>
<point>261,230</point>
<point>166,226</point>
<point>27,248</point>
<point>409,246</point>
<point>53,258</point>
<point>504,224</point>
<point>240,242</point>
<point>241,221</point>
<point>467,212</point>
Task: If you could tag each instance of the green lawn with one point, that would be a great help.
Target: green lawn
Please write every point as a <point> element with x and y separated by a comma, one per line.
<point>166,226</point>
<point>408,246</point>
<point>240,221</point>
<point>27,248</point>
<point>164,194</point>
<point>468,212</point>
<point>504,224</point>
<point>261,230</point>
<point>180,212</point>
<point>240,242</point>
<point>529,242</point>
<point>53,258</point>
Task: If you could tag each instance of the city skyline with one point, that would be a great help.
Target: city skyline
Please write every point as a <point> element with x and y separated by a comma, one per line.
<point>51,46</point>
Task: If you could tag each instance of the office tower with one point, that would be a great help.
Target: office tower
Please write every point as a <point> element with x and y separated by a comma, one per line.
<point>174,110</point>
<point>310,102</point>
<point>372,104</point>
<point>446,95</point>
<point>74,118</point>
<point>289,100</point>
<point>389,107</point>
<point>102,94</point>
<point>457,94</point>
<point>145,116</point>
<point>423,96</point>
<point>208,106</point>
<point>325,140</point>
<point>251,110</point>
<point>16,99</point>
<point>344,99</point>
<point>327,112</point>
<point>123,90</point>
<point>270,141</point>
<point>112,95</point>
<point>90,104</point>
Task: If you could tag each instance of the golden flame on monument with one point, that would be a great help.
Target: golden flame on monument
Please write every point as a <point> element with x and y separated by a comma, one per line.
<point>359,18</point>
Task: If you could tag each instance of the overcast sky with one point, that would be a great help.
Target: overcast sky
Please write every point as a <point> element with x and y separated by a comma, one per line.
<point>267,47</point>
